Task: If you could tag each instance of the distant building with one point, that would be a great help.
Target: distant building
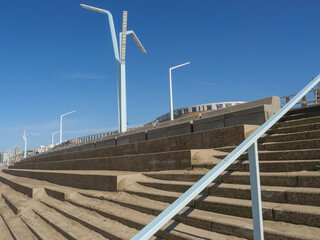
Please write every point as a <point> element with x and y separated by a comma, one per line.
<point>17,153</point>
<point>41,149</point>
<point>196,109</point>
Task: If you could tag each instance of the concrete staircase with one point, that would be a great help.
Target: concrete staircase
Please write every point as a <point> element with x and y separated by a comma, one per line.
<point>51,198</point>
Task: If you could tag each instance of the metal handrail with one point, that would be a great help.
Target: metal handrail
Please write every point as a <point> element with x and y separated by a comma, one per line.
<point>249,144</point>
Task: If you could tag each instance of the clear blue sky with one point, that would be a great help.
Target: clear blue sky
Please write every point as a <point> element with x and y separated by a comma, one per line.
<point>56,57</point>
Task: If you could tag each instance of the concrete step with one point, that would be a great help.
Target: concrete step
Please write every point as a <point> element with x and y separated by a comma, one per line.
<point>68,228</point>
<point>110,229</point>
<point>277,129</point>
<point>57,225</point>
<point>291,145</point>
<point>16,226</point>
<point>36,188</point>
<point>223,224</point>
<point>293,179</point>
<point>300,154</point>
<point>138,162</point>
<point>290,195</point>
<point>95,180</point>
<point>269,166</point>
<point>301,115</point>
<point>291,136</point>
<point>297,122</point>
<point>196,140</point>
<point>4,230</point>
<point>40,228</point>
<point>21,205</point>
<point>20,184</point>
<point>135,219</point>
<point>289,213</point>
<point>308,109</point>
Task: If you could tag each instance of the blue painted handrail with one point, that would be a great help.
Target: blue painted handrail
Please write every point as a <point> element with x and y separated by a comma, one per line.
<point>250,142</point>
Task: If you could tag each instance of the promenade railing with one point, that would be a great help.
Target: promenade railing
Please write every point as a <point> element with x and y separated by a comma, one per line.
<point>249,144</point>
<point>310,99</point>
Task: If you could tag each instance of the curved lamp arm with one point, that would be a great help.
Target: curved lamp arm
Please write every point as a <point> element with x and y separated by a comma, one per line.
<point>136,39</point>
<point>113,32</point>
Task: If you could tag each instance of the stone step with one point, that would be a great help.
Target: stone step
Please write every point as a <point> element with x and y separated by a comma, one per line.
<point>291,136</point>
<point>290,195</point>
<point>67,227</point>
<point>95,180</point>
<point>135,219</point>
<point>234,135</point>
<point>269,166</point>
<point>293,129</point>
<point>5,233</point>
<point>138,162</point>
<point>37,188</point>
<point>20,205</point>
<point>56,224</point>
<point>293,179</point>
<point>300,154</point>
<point>15,225</point>
<point>40,228</point>
<point>280,146</point>
<point>291,145</point>
<point>297,122</point>
<point>301,115</point>
<point>20,184</point>
<point>289,213</point>
<point>223,224</point>
<point>110,229</point>
<point>308,109</point>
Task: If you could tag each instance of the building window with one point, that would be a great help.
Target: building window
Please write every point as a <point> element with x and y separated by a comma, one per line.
<point>194,109</point>
<point>209,107</point>
<point>228,104</point>
<point>185,111</point>
<point>179,112</point>
<point>219,106</point>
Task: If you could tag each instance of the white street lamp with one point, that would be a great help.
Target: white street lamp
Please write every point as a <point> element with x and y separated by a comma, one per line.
<point>120,60</point>
<point>8,156</point>
<point>25,139</point>
<point>52,142</point>
<point>170,88</point>
<point>61,123</point>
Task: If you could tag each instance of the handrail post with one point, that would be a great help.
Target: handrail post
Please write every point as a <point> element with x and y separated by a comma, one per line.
<point>304,102</point>
<point>255,192</point>
<point>287,99</point>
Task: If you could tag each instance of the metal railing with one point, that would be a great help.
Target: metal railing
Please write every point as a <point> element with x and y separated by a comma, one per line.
<point>93,137</point>
<point>249,144</point>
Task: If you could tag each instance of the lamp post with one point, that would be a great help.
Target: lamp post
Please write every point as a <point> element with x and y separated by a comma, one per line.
<point>61,123</point>
<point>170,87</point>
<point>8,156</point>
<point>120,61</point>
<point>52,142</point>
<point>25,139</point>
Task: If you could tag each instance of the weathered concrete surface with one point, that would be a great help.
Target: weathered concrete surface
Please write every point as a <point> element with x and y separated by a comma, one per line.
<point>168,131</point>
<point>255,115</point>
<point>94,180</point>
<point>138,162</point>
<point>290,188</point>
<point>255,112</point>
<point>200,140</point>
<point>106,142</point>
<point>130,138</point>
